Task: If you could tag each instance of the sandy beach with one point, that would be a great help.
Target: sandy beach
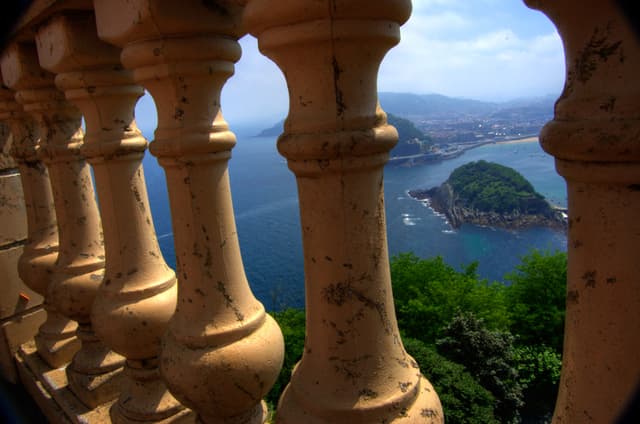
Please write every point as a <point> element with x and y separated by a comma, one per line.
<point>519,140</point>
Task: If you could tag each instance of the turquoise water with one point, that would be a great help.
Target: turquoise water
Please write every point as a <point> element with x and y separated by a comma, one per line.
<point>266,207</point>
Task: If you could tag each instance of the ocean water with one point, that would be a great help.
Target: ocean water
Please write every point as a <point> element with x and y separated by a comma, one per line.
<point>267,217</point>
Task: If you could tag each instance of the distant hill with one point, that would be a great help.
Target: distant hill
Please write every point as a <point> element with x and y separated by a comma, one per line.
<point>526,108</point>
<point>406,129</point>
<point>486,193</point>
<point>437,106</point>
<point>273,131</point>
<point>455,120</point>
<point>411,141</point>
<point>433,105</point>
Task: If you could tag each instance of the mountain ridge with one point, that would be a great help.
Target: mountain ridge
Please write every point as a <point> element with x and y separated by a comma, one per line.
<point>415,107</point>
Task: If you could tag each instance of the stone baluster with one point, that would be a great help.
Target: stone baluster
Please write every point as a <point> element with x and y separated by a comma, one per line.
<point>56,341</point>
<point>354,367</point>
<point>138,295</point>
<point>222,352</point>
<point>595,138</point>
<point>95,374</point>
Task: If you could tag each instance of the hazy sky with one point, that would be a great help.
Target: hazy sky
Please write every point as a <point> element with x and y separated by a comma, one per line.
<point>480,49</point>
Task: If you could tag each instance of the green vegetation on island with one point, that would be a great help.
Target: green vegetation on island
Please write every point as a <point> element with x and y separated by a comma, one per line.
<point>487,193</point>
<point>491,350</point>
<point>490,187</point>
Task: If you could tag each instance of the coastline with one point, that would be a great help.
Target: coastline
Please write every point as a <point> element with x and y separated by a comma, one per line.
<point>519,140</point>
<point>443,200</point>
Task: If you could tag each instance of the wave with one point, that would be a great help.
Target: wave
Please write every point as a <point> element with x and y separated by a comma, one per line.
<point>409,220</point>
<point>281,204</point>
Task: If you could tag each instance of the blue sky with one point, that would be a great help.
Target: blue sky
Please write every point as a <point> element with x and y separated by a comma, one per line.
<point>479,49</point>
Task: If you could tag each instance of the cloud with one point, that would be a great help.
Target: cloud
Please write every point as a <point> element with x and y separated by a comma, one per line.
<point>485,49</point>
<point>257,93</point>
<point>466,59</point>
<point>431,24</point>
<point>497,40</point>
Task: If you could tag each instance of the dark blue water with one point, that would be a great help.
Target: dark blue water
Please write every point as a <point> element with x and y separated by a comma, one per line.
<point>266,207</point>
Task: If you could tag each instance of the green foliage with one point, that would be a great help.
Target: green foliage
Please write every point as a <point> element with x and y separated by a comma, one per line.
<point>477,372</point>
<point>539,372</point>
<point>490,187</point>
<point>407,134</point>
<point>537,298</point>
<point>406,129</point>
<point>464,401</point>
<point>292,324</point>
<point>488,356</point>
<point>428,293</point>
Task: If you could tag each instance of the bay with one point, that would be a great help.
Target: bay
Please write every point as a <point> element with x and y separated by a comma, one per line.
<point>267,216</point>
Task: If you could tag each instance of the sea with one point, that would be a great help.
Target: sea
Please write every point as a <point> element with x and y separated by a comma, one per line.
<point>267,216</point>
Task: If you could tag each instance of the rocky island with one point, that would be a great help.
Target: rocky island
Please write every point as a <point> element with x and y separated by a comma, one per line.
<point>488,194</point>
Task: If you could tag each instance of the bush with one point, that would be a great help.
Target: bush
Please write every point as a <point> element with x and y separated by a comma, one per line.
<point>292,324</point>
<point>428,293</point>
<point>464,400</point>
<point>539,373</point>
<point>488,356</point>
<point>536,299</point>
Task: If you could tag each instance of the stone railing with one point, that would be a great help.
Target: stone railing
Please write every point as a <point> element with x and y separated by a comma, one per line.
<point>127,340</point>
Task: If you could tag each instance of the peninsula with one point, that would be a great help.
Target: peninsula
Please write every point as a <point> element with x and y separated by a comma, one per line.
<point>488,194</point>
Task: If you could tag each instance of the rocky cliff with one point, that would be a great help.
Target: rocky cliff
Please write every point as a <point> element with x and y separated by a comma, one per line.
<point>446,200</point>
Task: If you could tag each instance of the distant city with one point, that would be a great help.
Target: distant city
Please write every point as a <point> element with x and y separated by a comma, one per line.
<point>434,127</point>
<point>453,120</point>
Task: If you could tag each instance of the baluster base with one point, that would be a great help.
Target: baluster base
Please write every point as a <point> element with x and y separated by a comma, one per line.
<point>424,408</point>
<point>257,415</point>
<point>56,340</point>
<point>50,390</point>
<point>96,373</point>
<point>145,397</point>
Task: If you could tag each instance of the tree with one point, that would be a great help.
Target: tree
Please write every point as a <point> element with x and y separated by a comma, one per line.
<point>464,401</point>
<point>428,293</point>
<point>539,374</point>
<point>488,356</point>
<point>292,324</point>
<point>488,187</point>
<point>536,299</point>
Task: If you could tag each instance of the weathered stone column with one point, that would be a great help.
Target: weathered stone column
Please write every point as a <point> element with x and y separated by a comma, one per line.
<point>95,374</point>
<point>222,352</point>
<point>20,316</point>
<point>354,367</point>
<point>56,341</point>
<point>595,138</point>
<point>138,294</point>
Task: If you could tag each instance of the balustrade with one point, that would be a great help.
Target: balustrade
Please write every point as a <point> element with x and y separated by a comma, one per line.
<point>222,352</point>
<point>95,375</point>
<point>219,353</point>
<point>336,140</point>
<point>55,341</point>
<point>137,297</point>
<point>594,138</point>
<point>20,314</point>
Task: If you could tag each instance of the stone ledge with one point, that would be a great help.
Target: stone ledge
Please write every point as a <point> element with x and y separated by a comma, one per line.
<point>49,389</point>
<point>15,331</point>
